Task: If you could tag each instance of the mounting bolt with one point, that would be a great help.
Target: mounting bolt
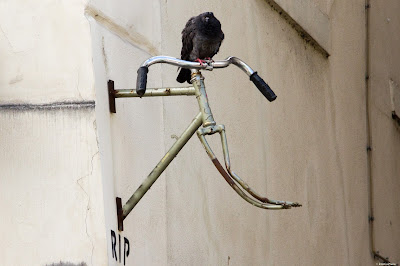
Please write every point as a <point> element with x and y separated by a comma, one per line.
<point>371,218</point>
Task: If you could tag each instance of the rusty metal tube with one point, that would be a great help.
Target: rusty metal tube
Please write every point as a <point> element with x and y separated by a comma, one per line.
<point>155,92</point>
<point>277,205</point>
<point>160,167</point>
<point>241,193</point>
<point>241,182</point>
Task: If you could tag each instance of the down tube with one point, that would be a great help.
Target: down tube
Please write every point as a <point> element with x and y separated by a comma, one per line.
<point>162,165</point>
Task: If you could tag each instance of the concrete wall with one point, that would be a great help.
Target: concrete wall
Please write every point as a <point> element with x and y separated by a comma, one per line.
<point>64,163</point>
<point>131,141</point>
<point>51,195</point>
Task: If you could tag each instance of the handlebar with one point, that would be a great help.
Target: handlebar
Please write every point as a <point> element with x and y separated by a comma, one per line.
<point>210,65</point>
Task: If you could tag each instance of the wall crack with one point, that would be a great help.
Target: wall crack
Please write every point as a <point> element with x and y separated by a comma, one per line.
<point>88,202</point>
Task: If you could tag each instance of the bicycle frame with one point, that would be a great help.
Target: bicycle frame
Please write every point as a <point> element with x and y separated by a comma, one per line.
<point>203,124</point>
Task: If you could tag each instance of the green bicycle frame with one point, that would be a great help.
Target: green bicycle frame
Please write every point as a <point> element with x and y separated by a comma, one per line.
<point>203,124</point>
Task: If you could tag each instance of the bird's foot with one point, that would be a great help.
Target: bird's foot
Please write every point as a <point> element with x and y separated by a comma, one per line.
<point>207,63</point>
<point>209,59</point>
<point>202,62</point>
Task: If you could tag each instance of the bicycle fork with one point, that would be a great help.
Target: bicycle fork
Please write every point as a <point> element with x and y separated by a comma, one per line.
<point>210,128</point>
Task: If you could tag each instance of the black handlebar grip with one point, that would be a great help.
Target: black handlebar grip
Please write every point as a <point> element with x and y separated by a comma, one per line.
<point>141,80</point>
<point>263,87</point>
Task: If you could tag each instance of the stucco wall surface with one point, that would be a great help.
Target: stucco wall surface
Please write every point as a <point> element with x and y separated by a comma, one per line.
<point>51,195</point>
<point>45,52</point>
<point>313,17</point>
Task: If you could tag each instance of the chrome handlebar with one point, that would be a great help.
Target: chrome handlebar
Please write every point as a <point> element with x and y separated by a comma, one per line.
<point>209,65</point>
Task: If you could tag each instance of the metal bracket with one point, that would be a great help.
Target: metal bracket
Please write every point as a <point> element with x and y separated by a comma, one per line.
<point>111,96</point>
<point>126,93</point>
<point>120,214</point>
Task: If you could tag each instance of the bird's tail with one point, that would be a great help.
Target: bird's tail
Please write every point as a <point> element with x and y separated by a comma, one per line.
<point>184,75</point>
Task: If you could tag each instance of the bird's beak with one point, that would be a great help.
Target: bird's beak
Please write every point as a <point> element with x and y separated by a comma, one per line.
<point>207,18</point>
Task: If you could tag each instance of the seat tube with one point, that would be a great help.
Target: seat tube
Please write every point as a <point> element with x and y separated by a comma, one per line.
<point>201,95</point>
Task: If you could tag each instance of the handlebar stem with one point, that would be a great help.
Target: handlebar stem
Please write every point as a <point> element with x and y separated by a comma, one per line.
<point>202,99</point>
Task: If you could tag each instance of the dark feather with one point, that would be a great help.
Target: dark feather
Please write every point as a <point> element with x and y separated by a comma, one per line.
<point>201,38</point>
<point>184,75</point>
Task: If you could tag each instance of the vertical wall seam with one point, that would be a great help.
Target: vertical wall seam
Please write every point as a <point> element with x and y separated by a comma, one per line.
<point>374,252</point>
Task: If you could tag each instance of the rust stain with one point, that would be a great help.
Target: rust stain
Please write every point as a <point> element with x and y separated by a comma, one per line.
<point>222,171</point>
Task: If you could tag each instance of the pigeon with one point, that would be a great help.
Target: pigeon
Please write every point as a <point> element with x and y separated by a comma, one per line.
<point>201,39</point>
